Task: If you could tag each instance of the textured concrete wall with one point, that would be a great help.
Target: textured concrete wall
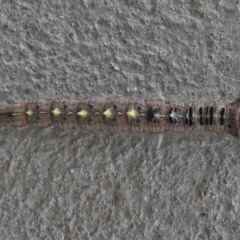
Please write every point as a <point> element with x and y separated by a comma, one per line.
<point>63,184</point>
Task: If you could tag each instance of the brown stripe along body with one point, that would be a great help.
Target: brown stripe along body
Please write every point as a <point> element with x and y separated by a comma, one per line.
<point>143,116</point>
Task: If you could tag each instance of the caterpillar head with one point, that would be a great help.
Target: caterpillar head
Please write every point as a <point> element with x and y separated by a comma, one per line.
<point>234,118</point>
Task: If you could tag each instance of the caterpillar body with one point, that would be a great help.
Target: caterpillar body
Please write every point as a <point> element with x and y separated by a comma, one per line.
<point>143,116</point>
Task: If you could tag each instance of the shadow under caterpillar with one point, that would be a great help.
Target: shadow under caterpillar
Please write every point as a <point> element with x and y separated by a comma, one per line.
<point>143,116</point>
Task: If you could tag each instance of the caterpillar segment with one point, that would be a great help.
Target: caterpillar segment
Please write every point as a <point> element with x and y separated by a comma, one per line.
<point>143,116</point>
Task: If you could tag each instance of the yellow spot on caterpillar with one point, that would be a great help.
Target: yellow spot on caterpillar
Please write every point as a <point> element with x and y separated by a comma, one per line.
<point>29,112</point>
<point>83,113</point>
<point>108,113</point>
<point>132,113</point>
<point>56,112</point>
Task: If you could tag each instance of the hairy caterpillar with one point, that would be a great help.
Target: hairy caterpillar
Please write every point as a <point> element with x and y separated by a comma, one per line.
<point>144,116</point>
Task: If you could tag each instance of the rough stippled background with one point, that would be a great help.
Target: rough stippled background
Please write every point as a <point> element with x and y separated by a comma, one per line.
<point>63,184</point>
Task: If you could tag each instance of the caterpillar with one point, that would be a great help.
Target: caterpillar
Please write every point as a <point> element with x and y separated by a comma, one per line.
<point>143,116</point>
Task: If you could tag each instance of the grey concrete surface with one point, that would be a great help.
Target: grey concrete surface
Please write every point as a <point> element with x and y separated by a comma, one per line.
<point>64,184</point>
